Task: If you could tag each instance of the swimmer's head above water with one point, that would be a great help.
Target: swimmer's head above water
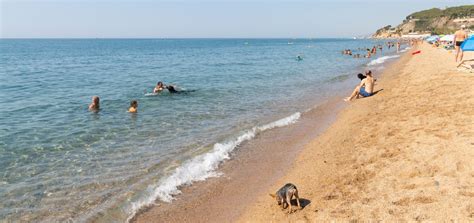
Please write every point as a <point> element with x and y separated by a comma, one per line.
<point>159,87</point>
<point>133,106</point>
<point>95,105</point>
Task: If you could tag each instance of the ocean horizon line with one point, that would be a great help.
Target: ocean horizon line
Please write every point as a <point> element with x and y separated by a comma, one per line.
<point>166,38</point>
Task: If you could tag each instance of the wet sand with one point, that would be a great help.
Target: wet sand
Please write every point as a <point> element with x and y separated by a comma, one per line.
<point>405,154</point>
<point>254,167</point>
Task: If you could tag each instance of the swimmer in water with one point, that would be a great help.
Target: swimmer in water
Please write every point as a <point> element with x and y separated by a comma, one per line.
<point>95,105</point>
<point>159,87</point>
<point>133,106</point>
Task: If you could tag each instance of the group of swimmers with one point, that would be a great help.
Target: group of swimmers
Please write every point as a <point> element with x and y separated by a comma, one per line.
<point>369,52</point>
<point>94,106</point>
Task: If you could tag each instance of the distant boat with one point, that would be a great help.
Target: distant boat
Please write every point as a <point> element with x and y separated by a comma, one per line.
<point>290,43</point>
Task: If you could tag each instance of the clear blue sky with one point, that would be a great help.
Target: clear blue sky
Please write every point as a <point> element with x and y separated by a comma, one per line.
<point>204,18</point>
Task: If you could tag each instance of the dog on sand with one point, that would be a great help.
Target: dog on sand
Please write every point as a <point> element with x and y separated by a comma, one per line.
<point>284,195</point>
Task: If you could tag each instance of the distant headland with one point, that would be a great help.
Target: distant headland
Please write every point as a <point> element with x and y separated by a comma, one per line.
<point>431,21</point>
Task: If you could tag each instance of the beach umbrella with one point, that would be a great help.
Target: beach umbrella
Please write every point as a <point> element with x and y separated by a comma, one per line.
<point>468,45</point>
<point>447,38</point>
<point>432,39</point>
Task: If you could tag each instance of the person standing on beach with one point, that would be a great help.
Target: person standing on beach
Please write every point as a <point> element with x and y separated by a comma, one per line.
<point>398,46</point>
<point>459,37</point>
<point>364,89</point>
<point>95,105</point>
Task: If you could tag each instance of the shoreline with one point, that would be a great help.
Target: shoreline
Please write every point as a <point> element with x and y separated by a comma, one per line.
<point>404,154</point>
<point>223,198</point>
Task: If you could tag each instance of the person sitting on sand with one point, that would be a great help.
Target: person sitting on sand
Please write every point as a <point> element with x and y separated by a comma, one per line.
<point>133,106</point>
<point>364,89</point>
<point>159,87</point>
<point>95,105</point>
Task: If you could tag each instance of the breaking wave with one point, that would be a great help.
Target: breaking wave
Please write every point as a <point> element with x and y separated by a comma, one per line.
<point>200,167</point>
<point>381,60</point>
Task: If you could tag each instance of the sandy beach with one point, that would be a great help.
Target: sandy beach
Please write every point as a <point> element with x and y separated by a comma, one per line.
<point>203,111</point>
<point>404,154</point>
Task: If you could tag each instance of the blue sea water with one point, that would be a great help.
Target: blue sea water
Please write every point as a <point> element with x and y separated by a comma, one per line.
<point>59,162</point>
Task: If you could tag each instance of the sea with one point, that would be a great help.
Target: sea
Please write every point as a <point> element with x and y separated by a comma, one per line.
<point>60,162</point>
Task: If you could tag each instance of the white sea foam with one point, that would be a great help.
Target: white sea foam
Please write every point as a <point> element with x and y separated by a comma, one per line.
<point>200,167</point>
<point>405,50</point>
<point>381,60</point>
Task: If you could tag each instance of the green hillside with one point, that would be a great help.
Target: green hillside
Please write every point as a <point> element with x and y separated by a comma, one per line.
<point>434,21</point>
<point>452,13</point>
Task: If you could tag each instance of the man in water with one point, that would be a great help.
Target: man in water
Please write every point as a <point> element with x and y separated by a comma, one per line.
<point>364,89</point>
<point>95,105</point>
<point>459,37</point>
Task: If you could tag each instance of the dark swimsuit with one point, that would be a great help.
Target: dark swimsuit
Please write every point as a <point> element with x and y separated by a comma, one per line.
<point>458,43</point>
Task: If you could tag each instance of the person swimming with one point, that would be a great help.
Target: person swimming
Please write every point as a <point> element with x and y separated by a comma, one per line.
<point>95,105</point>
<point>133,106</point>
<point>159,87</point>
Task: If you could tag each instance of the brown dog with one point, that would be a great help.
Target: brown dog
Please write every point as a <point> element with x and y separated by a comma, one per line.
<point>285,194</point>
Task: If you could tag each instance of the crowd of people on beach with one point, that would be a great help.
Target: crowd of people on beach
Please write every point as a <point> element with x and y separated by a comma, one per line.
<point>94,106</point>
<point>451,42</point>
<point>366,86</point>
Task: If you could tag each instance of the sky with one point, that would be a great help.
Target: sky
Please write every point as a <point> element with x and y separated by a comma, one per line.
<point>204,18</point>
